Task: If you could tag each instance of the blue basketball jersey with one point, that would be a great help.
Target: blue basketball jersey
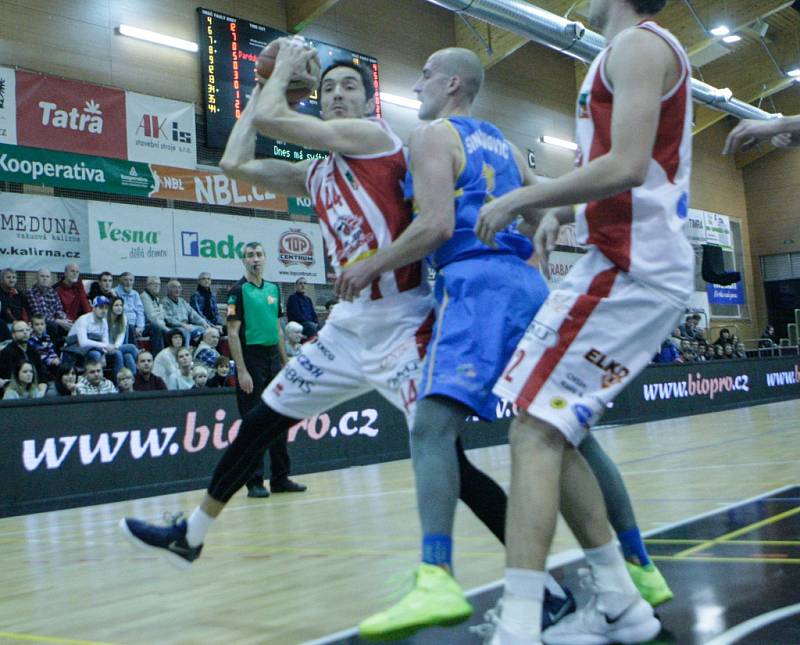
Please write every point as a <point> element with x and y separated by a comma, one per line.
<point>488,171</point>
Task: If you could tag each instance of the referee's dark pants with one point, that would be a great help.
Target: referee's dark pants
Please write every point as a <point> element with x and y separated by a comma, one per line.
<point>264,362</point>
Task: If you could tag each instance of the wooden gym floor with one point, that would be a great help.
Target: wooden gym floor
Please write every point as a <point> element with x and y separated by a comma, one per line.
<point>300,567</point>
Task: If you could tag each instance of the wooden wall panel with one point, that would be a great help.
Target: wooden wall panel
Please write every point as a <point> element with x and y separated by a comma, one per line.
<point>772,189</point>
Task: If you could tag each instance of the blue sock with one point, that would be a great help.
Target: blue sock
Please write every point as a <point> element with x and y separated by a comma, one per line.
<point>633,545</point>
<point>437,549</point>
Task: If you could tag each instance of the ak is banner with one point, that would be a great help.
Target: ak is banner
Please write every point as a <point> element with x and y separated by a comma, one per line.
<point>41,111</point>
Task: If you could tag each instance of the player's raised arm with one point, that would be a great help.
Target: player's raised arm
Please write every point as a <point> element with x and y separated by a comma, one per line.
<point>435,158</point>
<point>346,97</point>
<point>239,162</point>
<point>641,66</point>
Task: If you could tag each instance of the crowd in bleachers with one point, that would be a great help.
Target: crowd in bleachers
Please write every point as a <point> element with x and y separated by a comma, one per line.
<point>689,344</point>
<point>59,340</point>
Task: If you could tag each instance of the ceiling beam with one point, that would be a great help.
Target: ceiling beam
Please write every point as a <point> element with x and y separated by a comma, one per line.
<point>301,13</point>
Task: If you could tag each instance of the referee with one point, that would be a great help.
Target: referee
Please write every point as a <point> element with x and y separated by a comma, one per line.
<point>256,343</point>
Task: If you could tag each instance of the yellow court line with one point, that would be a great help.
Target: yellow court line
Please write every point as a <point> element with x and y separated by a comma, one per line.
<point>711,558</point>
<point>756,542</point>
<point>48,639</point>
<point>736,533</point>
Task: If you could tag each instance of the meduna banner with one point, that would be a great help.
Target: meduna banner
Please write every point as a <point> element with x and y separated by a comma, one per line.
<point>144,444</point>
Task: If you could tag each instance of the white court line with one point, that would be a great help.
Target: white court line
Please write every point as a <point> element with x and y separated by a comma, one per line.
<point>573,555</point>
<point>711,467</point>
<point>754,624</point>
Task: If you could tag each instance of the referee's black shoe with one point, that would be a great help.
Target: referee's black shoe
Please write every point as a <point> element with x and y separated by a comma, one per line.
<point>287,486</point>
<point>257,491</point>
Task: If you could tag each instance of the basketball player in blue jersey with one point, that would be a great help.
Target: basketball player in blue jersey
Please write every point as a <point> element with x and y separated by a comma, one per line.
<point>458,163</point>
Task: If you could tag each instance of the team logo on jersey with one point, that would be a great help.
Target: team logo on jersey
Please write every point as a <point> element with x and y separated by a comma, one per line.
<point>295,247</point>
<point>271,300</point>
<point>614,372</point>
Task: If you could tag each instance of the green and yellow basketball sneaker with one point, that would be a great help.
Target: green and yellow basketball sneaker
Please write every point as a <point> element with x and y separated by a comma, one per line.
<point>650,583</point>
<point>435,600</point>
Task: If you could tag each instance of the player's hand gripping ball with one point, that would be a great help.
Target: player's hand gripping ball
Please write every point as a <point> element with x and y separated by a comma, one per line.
<point>305,79</point>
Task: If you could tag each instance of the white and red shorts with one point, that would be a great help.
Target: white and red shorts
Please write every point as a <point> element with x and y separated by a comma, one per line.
<point>376,345</point>
<point>590,338</point>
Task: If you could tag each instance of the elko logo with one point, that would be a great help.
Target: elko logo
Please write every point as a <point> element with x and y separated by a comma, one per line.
<point>295,247</point>
<point>154,127</point>
<point>90,119</point>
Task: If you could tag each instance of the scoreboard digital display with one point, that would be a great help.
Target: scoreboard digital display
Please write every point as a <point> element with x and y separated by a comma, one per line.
<point>229,48</point>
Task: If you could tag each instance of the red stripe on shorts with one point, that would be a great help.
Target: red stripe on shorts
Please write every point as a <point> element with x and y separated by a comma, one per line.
<point>423,333</point>
<point>573,323</point>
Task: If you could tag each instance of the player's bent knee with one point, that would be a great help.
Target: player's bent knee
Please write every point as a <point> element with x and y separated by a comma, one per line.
<point>529,432</point>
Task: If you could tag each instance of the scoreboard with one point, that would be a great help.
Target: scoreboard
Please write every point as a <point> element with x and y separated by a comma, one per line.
<point>229,48</point>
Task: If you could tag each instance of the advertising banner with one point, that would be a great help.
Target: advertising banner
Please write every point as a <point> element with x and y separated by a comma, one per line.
<point>301,206</point>
<point>732,294</point>
<point>560,263</point>
<point>124,237</point>
<point>8,106</point>
<point>204,187</point>
<point>37,166</point>
<point>696,227</point>
<point>718,230</point>
<point>160,130</point>
<point>207,242</point>
<point>43,232</point>
<point>71,116</point>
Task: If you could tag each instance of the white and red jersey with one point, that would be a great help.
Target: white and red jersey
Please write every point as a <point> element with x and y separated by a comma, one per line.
<point>361,208</point>
<point>642,230</point>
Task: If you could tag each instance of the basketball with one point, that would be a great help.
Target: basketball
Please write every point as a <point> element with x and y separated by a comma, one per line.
<point>299,88</point>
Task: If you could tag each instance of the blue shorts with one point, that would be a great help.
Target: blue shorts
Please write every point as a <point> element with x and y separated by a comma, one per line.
<point>484,306</point>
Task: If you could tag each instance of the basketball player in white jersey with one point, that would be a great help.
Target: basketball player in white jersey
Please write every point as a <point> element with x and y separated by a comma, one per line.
<point>375,342</point>
<point>601,326</point>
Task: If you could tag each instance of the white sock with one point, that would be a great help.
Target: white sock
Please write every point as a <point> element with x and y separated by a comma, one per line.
<point>610,573</point>
<point>522,600</point>
<point>197,526</point>
<point>554,588</point>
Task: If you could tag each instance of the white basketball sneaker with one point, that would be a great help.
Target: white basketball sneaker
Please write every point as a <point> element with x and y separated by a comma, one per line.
<point>608,617</point>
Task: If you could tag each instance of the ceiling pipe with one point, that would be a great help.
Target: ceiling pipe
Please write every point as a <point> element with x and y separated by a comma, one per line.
<point>572,38</point>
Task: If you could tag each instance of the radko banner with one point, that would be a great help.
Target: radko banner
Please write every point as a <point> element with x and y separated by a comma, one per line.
<point>71,116</point>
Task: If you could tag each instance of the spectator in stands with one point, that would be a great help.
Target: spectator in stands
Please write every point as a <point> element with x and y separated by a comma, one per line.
<point>221,376</point>
<point>89,338</point>
<point>42,300</point>
<point>180,315</point>
<point>724,337</point>
<point>700,334</point>
<point>118,330</point>
<point>739,350</point>
<point>93,381</point>
<point>17,351</point>
<point>72,294</point>
<point>768,338</point>
<point>145,380</point>
<point>40,340</point>
<point>695,346</point>
<point>200,377</point>
<point>124,381</point>
<point>668,353</point>
<point>688,327</point>
<point>294,338</point>
<point>719,352</point>
<point>708,353</point>
<point>676,338</point>
<point>65,382</point>
<point>207,353</point>
<point>182,378</point>
<point>156,323</point>
<point>204,302</point>
<point>166,362</point>
<point>687,355</point>
<point>103,286</point>
<point>299,308</point>
<point>23,384</point>
<point>134,309</point>
<point>728,351</point>
<point>12,302</point>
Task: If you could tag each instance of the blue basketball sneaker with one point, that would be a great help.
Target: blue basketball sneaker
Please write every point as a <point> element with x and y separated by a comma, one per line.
<point>556,608</point>
<point>169,540</point>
